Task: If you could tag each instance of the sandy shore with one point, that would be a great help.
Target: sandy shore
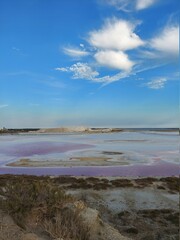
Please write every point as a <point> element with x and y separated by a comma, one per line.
<point>106,160</point>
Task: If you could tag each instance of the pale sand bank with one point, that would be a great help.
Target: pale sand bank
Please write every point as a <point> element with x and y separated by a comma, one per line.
<point>71,162</point>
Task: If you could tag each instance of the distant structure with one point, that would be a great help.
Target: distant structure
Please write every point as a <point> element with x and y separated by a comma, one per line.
<point>3,130</point>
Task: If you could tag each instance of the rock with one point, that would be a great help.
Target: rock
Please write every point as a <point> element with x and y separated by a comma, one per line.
<point>10,231</point>
<point>99,229</point>
<point>79,205</point>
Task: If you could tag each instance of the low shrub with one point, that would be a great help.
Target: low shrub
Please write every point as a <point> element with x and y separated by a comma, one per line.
<point>55,210</point>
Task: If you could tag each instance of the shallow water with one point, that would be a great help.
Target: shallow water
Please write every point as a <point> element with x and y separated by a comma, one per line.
<point>135,153</point>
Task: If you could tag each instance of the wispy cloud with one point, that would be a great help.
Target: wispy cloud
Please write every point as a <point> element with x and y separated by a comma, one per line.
<point>157,83</point>
<point>81,71</point>
<point>123,5</point>
<point>75,52</point>
<point>16,49</point>
<point>62,69</point>
<point>142,4</point>
<point>4,105</point>
<point>129,5</point>
<point>160,82</point>
<point>84,71</point>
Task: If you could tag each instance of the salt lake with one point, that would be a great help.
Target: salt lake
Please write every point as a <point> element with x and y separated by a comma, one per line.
<point>130,153</point>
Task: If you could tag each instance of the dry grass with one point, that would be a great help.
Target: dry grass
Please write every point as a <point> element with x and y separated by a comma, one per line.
<point>55,212</point>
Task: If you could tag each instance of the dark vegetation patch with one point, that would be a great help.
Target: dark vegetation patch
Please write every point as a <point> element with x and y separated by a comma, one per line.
<point>111,153</point>
<point>122,183</point>
<point>16,131</point>
<point>101,186</point>
<point>144,182</point>
<point>172,183</point>
<point>149,224</point>
<point>67,182</point>
<point>161,187</point>
<point>173,218</point>
<point>168,215</point>
<point>132,230</point>
<point>64,179</point>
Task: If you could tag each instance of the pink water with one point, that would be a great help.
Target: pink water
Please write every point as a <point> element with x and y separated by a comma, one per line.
<point>162,169</point>
<point>40,148</point>
<point>146,154</point>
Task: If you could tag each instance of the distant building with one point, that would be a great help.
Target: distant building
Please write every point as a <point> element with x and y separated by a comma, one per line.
<point>3,129</point>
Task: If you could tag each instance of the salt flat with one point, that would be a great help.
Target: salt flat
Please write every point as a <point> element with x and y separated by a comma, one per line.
<point>127,153</point>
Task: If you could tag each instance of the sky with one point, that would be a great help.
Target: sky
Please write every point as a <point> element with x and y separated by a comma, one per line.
<point>92,63</point>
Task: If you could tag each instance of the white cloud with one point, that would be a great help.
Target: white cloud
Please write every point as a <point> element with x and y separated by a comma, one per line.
<point>142,4</point>
<point>114,59</point>
<point>116,34</point>
<point>75,52</point>
<point>80,71</point>
<point>109,79</point>
<point>148,54</point>
<point>160,82</point>
<point>157,83</point>
<point>109,46</point>
<point>124,5</point>
<point>129,5</point>
<point>168,41</point>
<point>4,105</point>
<point>84,71</point>
<point>62,69</point>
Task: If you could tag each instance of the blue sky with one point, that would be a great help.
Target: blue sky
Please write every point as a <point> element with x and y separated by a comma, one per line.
<point>103,63</point>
